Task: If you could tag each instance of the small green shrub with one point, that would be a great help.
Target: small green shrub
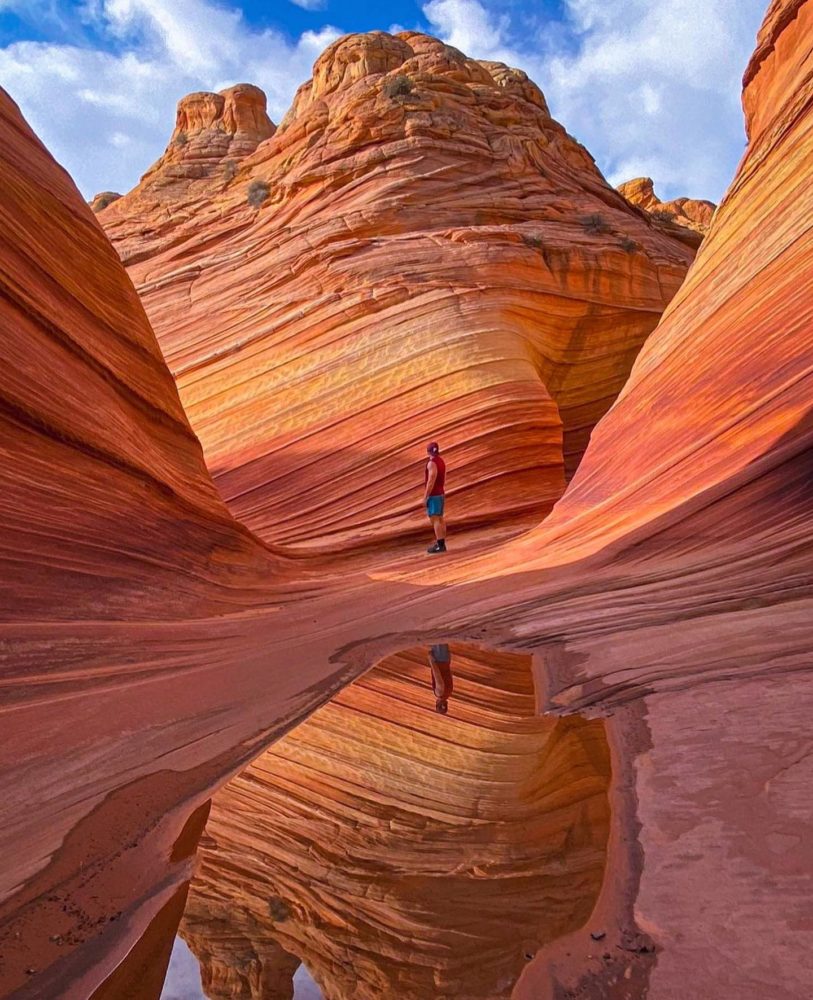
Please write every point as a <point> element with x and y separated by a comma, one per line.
<point>594,224</point>
<point>533,241</point>
<point>181,139</point>
<point>258,191</point>
<point>663,215</point>
<point>230,169</point>
<point>397,86</point>
<point>627,245</point>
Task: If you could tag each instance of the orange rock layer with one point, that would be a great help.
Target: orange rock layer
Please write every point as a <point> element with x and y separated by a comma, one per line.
<point>151,647</point>
<point>400,853</point>
<point>420,252</point>
<point>691,213</point>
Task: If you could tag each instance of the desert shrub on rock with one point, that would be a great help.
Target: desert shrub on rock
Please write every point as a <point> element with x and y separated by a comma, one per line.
<point>594,224</point>
<point>397,86</point>
<point>258,191</point>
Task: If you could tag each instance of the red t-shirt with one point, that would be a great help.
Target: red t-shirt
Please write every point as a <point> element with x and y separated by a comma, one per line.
<point>439,487</point>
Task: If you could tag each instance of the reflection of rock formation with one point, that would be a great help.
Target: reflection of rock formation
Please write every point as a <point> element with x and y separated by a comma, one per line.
<point>149,648</point>
<point>419,252</point>
<point>691,213</point>
<point>403,854</point>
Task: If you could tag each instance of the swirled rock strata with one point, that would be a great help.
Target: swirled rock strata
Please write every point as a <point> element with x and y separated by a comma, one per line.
<point>419,252</point>
<point>691,213</point>
<point>151,647</point>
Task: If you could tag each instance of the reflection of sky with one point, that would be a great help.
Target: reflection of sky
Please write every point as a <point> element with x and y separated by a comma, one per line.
<point>183,978</point>
<point>183,975</point>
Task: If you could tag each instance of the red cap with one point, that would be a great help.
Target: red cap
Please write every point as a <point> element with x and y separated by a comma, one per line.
<point>433,448</point>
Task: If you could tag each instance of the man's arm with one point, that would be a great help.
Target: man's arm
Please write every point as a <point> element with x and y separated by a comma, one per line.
<point>432,471</point>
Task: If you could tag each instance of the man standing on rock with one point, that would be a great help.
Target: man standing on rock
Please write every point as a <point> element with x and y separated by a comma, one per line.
<point>434,494</point>
<point>440,663</point>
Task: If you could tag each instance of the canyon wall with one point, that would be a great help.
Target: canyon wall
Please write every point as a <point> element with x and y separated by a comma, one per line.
<point>151,647</point>
<point>420,252</point>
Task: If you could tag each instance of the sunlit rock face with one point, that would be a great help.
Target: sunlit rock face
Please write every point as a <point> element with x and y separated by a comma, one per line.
<point>213,132</point>
<point>402,853</point>
<point>420,252</point>
<point>150,648</point>
<point>690,213</point>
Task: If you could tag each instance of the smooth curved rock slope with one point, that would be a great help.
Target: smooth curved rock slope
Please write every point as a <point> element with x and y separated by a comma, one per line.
<point>420,252</point>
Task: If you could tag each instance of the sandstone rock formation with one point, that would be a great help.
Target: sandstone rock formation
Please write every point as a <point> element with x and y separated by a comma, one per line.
<point>213,132</point>
<point>400,853</point>
<point>691,213</point>
<point>151,647</point>
<point>101,200</point>
<point>419,252</point>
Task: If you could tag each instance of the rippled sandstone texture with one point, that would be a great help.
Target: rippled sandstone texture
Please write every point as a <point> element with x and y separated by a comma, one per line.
<point>400,853</point>
<point>691,213</point>
<point>420,252</point>
<point>669,592</point>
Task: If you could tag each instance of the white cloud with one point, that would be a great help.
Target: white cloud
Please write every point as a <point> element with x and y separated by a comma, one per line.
<point>647,87</point>
<point>466,25</point>
<point>78,97</point>
<point>310,4</point>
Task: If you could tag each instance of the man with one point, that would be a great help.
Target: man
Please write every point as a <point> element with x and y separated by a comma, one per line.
<point>440,663</point>
<point>434,495</point>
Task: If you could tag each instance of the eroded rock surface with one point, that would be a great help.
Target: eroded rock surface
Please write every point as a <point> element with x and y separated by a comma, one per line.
<point>420,252</point>
<point>691,213</point>
<point>100,201</point>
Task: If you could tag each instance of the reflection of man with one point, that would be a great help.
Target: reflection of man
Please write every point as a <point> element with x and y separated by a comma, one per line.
<point>440,663</point>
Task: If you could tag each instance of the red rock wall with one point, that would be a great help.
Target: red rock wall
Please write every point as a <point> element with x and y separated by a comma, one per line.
<point>110,521</point>
<point>443,263</point>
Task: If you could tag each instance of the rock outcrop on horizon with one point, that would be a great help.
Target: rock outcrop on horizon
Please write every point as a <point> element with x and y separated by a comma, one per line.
<point>690,213</point>
<point>420,252</point>
<point>213,133</point>
<point>100,201</point>
<point>453,845</point>
<point>151,647</point>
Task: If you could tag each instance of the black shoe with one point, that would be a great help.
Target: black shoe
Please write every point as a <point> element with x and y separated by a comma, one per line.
<point>437,547</point>
<point>441,707</point>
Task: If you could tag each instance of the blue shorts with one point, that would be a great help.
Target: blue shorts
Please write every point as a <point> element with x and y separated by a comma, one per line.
<point>434,506</point>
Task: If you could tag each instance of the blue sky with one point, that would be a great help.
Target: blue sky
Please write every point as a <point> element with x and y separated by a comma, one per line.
<point>649,86</point>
